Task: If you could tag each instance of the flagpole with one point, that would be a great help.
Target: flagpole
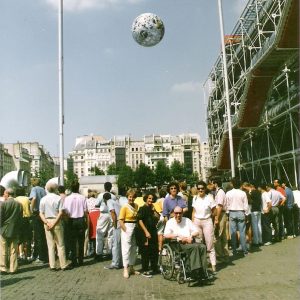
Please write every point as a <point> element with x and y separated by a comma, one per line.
<point>226,89</point>
<point>61,92</point>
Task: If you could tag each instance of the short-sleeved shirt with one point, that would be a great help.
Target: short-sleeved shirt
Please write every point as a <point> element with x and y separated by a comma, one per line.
<point>91,203</point>
<point>50,205</point>
<point>147,215</point>
<point>75,205</point>
<point>100,197</point>
<point>220,198</point>
<point>38,193</point>
<point>275,197</point>
<point>25,205</point>
<point>265,200</point>
<point>289,197</point>
<point>171,203</point>
<point>184,229</point>
<point>203,206</point>
<point>128,213</point>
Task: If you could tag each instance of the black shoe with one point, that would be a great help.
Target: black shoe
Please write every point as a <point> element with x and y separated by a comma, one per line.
<point>99,258</point>
<point>53,269</point>
<point>3,273</point>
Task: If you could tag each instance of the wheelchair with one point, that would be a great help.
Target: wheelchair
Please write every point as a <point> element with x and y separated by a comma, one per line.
<point>174,266</point>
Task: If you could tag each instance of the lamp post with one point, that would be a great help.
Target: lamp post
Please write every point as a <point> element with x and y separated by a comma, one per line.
<point>61,92</point>
<point>226,89</point>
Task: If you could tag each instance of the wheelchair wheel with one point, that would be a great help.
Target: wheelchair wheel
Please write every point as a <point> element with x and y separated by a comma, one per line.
<point>180,278</point>
<point>167,262</point>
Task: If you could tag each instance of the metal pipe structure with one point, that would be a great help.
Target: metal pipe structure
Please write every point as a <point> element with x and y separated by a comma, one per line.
<point>226,89</point>
<point>61,91</point>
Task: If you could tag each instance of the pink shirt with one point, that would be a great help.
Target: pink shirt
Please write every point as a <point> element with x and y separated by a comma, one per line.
<point>75,205</point>
<point>220,198</point>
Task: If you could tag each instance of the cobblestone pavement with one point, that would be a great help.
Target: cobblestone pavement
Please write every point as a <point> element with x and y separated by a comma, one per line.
<point>272,273</point>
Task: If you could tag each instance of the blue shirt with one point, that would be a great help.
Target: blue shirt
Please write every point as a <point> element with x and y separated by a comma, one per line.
<point>171,203</point>
<point>38,193</point>
<point>289,197</point>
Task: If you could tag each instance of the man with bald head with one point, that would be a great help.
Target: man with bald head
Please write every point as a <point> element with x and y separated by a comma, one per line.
<point>184,231</point>
<point>50,214</point>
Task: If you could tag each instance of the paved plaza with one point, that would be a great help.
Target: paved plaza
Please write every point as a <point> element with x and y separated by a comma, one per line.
<point>272,273</point>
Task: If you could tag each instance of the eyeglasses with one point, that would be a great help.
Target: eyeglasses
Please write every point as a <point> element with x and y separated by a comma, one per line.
<point>177,213</point>
<point>173,188</point>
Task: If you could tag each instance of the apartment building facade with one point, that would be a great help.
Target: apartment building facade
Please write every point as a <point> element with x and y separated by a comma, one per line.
<point>92,150</point>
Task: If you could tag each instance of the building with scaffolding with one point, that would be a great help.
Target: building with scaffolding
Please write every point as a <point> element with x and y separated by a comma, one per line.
<point>262,55</point>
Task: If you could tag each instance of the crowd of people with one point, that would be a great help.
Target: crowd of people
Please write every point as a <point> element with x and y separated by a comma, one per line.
<point>211,222</point>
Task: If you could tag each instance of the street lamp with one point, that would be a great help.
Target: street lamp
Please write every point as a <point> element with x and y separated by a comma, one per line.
<point>226,89</point>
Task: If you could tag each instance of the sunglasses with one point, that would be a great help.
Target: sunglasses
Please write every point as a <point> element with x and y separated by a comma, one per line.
<point>200,188</point>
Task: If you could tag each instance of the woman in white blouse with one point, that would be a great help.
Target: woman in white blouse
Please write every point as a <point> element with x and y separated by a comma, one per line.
<point>203,210</point>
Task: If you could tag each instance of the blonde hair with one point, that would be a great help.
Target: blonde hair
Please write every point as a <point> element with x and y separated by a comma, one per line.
<point>131,192</point>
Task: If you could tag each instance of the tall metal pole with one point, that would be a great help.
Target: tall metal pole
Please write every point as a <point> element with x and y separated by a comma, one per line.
<point>61,92</point>
<point>226,89</point>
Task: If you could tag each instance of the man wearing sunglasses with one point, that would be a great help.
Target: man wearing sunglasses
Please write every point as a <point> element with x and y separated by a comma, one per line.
<point>184,231</point>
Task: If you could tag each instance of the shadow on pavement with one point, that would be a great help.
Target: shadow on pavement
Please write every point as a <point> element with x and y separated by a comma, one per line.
<point>10,281</point>
<point>31,268</point>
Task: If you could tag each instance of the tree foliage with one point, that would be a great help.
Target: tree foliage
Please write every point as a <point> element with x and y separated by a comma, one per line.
<point>97,171</point>
<point>178,171</point>
<point>112,169</point>
<point>70,177</point>
<point>143,176</point>
<point>162,173</point>
<point>125,178</point>
<point>45,174</point>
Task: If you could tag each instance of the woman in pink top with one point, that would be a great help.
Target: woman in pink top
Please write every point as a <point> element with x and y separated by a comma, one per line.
<point>203,210</point>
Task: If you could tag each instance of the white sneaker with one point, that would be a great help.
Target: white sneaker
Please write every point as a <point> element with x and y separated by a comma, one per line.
<point>267,244</point>
<point>290,237</point>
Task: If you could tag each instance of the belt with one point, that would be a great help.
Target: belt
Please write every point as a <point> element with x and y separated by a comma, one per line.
<point>129,221</point>
<point>51,218</point>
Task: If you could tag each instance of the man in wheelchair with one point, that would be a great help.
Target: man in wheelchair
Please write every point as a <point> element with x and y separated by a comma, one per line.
<point>182,232</point>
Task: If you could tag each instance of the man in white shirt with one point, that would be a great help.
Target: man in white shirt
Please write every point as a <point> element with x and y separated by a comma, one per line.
<point>266,215</point>
<point>277,200</point>
<point>184,231</point>
<point>50,213</point>
<point>237,205</point>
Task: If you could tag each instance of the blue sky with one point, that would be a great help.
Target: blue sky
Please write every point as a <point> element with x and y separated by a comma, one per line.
<point>113,86</point>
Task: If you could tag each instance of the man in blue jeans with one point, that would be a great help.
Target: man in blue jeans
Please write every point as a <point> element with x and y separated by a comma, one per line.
<point>237,205</point>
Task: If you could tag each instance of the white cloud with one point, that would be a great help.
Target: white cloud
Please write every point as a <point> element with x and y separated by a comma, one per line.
<point>187,87</point>
<point>79,5</point>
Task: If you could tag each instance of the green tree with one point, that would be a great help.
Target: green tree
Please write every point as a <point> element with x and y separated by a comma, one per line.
<point>45,174</point>
<point>143,176</point>
<point>178,171</point>
<point>70,177</point>
<point>112,169</point>
<point>192,179</point>
<point>125,178</point>
<point>162,173</point>
<point>96,171</point>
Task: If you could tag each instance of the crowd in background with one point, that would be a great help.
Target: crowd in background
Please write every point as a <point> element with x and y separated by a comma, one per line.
<point>62,229</point>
